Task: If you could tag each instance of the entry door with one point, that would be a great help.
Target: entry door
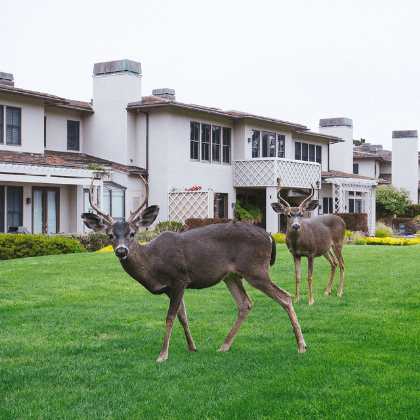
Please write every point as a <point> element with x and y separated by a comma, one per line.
<point>45,210</point>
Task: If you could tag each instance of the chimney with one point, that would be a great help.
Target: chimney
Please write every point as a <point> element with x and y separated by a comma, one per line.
<point>6,79</point>
<point>164,93</point>
<point>340,154</point>
<point>405,162</point>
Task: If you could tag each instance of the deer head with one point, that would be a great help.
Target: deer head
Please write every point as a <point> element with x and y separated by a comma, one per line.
<point>294,214</point>
<point>121,234</point>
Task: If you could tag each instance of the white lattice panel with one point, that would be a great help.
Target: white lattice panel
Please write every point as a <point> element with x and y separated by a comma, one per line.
<point>186,204</point>
<point>264,172</point>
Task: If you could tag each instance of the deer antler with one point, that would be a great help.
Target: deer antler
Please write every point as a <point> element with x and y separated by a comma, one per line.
<point>106,216</point>
<point>278,195</point>
<point>307,198</point>
<point>134,213</point>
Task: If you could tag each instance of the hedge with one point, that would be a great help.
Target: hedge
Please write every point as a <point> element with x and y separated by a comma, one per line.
<point>22,246</point>
<point>356,222</point>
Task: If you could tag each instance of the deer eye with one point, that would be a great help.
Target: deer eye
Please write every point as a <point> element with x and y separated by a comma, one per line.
<point>132,234</point>
<point>289,215</point>
<point>111,236</point>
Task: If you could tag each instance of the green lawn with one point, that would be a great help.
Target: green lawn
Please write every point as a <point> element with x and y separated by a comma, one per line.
<point>79,340</point>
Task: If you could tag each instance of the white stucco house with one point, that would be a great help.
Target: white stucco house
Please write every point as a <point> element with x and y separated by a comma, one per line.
<point>198,160</point>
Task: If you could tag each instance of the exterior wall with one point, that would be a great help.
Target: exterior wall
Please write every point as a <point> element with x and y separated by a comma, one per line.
<point>107,130</point>
<point>405,164</point>
<point>341,154</point>
<point>32,123</point>
<point>57,128</point>
<point>317,142</point>
<point>367,167</point>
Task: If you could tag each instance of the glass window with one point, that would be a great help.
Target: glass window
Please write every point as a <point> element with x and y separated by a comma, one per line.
<point>73,135</point>
<point>45,131</point>
<point>356,168</point>
<point>114,201</point>
<point>305,152</point>
<point>194,140</point>
<point>1,208</point>
<point>226,145</point>
<point>280,146</point>
<point>318,157</point>
<point>272,144</point>
<point>14,206</point>
<point>205,142</point>
<point>1,123</point>
<point>255,144</point>
<point>311,153</point>
<point>215,141</point>
<point>13,122</point>
<point>327,205</point>
<point>298,150</point>
<point>264,144</point>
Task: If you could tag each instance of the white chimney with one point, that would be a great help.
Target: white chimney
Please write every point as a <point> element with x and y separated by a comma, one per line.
<point>405,162</point>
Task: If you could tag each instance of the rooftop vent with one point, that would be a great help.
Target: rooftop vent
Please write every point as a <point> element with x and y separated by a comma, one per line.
<point>164,93</point>
<point>119,66</point>
<point>404,134</point>
<point>333,122</point>
<point>6,79</point>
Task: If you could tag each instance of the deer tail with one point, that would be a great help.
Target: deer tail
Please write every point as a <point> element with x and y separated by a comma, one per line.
<point>273,251</point>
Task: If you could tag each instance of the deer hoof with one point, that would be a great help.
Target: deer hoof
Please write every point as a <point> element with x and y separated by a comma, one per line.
<point>191,351</point>
<point>302,349</point>
<point>339,294</point>
<point>162,358</point>
<point>327,293</point>
<point>311,302</point>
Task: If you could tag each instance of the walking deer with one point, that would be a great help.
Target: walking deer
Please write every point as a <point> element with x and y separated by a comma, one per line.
<point>312,238</point>
<point>195,259</point>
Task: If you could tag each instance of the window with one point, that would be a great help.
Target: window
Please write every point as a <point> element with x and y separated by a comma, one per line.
<point>355,204</point>
<point>14,206</point>
<point>255,144</point>
<point>268,144</point>
<point>45,131</point>
<point>1,124</point>
<point>45,210</point>
<point>356,168</point>
<point>308,152</point>
<point>13,125</point>
<point>280,146</point>
<point>220,206</point>
<point>114,201</point>
<point>73,135</point>
<point>205,142</point>
<point>1,208</point>
<point>215,141</point>
<point>226,145</point>
<point>194,140</point>
<point>327,205</point>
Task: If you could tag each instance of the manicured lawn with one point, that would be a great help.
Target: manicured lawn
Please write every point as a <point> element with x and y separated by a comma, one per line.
<point>79,339</point>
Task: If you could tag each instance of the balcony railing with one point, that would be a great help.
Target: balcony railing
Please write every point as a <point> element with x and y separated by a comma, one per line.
<point>264,172</point>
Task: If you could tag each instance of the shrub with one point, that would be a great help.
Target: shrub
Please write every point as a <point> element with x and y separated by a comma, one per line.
<point>92,241</point>
<point>382,231</point>
<point>247,211</point>
<point>356,222</point>
<point>21,246</point>
<point>193,223</point>
<point>391,200</point>
<point>411,228</point>
<point>169,225</point>
<point>279,238</point>
<point>412,210</point>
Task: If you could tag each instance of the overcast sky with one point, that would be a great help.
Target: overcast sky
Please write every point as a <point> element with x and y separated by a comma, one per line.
<point>297,61</point>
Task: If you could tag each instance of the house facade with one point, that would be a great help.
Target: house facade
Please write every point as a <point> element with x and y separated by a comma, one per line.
<point>198,160</point>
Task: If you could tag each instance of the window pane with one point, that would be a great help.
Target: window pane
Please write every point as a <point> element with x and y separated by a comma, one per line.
<point>355,168</point>
<point>106,205</point>
<point>298,147</point>
<point>305,151</point>
<point>264,144</point>
<point>14,206</point>
<point>12,125</point>
<point>117,210</point>
<point>351,205</point>
<point>52,211</point>
<point>325,205</point>
<point>1,123</point>
<point>280,146</point>
<point>311,153</point>
<point>205,142</point>
<point>318,157</point>
<point>73,135</point>
<point>215,143</point>
<point>255,144</point>
<point>272,144</point>
<point>1,208</point>
<point>194,140</point>
<point>38,211</point>
<point>226,145</point>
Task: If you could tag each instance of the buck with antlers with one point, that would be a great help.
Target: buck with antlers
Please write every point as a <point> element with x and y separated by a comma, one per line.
<point>312,238</point>
<point>195,259</point>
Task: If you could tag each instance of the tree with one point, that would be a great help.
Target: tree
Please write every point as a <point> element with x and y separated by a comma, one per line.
<point>391,200</point>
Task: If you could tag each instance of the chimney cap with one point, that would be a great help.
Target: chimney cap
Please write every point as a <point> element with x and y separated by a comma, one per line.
<point>118,66</point>
<point>6,79</point>
<point>165,93</point>
<point>404,134</point>
<point>333,122</point>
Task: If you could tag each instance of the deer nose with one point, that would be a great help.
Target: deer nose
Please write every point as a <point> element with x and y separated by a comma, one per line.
<point>121,252</point>
<point>296,227</point>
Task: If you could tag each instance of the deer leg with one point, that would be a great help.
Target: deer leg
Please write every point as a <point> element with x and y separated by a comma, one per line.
<point>310,271</point>
<point>337,252</point>
<point>237,290</point>
<point>333,261</point>
<point>182,316</point>
<point>266,285</point>
<point>297,273</point>
<point>175,301</point>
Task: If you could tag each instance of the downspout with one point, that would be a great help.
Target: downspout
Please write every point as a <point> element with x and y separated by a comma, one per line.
<point>147,147</point>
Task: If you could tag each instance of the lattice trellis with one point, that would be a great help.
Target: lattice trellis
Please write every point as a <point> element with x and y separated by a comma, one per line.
<point>264,172</point>
<point>186,204</point>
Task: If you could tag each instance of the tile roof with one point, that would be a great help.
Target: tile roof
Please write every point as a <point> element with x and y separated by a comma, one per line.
<point>338,174</point>
<point>380,154</point>
<point>63,160</point>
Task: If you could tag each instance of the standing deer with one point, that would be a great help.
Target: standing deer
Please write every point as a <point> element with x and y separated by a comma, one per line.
<point>312,238</point>
<point>195,259</point>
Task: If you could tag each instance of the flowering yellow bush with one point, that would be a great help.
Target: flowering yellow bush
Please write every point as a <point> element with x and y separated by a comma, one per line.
<point>109,248</point>
<point>280,238</point>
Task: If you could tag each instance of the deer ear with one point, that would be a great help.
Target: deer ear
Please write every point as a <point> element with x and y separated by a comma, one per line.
<point>279,208</point>
<point>95,222</point>
<point>147,217</point>
<point>312,205</point>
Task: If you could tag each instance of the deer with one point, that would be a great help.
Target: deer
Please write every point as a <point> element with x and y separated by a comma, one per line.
<point>312,238</point>
<point>195,259</point>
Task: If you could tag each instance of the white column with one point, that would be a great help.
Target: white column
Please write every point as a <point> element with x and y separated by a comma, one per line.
<point>271,216</point>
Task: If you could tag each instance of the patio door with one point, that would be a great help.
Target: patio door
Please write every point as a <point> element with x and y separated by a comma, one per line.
<point>45,210</point>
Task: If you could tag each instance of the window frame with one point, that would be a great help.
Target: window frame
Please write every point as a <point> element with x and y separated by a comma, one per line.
<point>226,145</point>
<point>69,140</point>
<point>308,152</point>
<point>205,142</point>
<point>13,127</point>
<point>215,146</point>
<point>194,141</point>
<point>1,124</point>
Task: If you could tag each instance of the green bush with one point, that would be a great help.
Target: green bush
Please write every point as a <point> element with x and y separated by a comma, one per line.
<point>382,231</point>
<point>92,241</point>
<point>169,225</point>
<point>279,238</point>
<point>21,246</point>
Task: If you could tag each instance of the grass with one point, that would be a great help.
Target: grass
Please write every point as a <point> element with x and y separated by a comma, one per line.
<point>79,339</point>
